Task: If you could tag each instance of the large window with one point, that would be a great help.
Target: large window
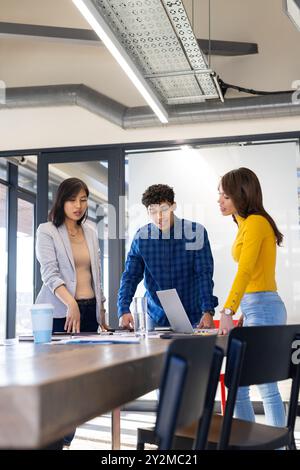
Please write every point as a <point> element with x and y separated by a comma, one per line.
<point>3,169</point>
<point>18,183</point>
<point>194,173</point>
<point>27,174</point>
<point>25,265</point>
<point>3,257</point>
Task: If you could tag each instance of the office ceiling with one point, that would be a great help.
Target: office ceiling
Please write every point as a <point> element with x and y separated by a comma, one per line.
<point>43,61</point>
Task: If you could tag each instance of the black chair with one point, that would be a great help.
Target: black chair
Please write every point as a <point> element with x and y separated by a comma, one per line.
<point>187,391</point>
<point>255,355</point>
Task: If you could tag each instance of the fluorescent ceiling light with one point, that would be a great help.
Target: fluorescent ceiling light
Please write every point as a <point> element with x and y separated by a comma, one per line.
<point>292,9</point>
<point>100,27</point>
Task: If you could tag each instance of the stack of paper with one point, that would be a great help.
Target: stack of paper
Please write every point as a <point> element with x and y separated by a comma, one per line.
<point>100,339</point>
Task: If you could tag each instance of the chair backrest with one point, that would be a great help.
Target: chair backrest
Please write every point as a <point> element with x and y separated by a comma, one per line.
<point>257,355</point>
<point>183,391</point>
<point>267,354</point>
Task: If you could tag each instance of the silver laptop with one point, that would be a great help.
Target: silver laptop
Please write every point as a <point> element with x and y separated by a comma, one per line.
<point>176,313</point>
<point>174,310</point>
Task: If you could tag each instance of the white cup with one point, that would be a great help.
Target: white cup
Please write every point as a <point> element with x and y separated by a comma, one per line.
<point>140,316</point>
<point>42,322</point>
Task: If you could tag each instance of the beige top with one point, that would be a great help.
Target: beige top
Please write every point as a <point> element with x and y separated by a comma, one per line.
<point>82,260</point>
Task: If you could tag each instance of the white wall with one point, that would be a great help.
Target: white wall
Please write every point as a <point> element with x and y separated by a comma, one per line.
<point>195,174</point>
<point>72,126</point>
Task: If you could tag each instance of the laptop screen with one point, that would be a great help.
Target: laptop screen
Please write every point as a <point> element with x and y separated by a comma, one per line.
<point>175,311</point>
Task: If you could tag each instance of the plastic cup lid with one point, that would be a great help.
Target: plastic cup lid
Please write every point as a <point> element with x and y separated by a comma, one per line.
<point>42,306</point>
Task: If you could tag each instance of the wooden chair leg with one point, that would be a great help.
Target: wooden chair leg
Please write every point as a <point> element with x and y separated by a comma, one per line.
<point>116,429</point>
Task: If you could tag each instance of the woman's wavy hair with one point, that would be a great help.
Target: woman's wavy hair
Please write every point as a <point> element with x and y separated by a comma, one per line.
<point>68,189</point>
<point>243,187</point>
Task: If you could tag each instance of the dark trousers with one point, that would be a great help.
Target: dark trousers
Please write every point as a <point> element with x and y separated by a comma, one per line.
<point>88,320</point>
<point>88,323</point>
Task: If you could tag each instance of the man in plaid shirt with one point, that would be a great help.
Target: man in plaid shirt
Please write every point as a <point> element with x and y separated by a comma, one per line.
<point>169,253</point>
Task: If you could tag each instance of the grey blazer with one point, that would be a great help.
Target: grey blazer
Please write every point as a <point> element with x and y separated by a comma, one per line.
<point>54,253</point>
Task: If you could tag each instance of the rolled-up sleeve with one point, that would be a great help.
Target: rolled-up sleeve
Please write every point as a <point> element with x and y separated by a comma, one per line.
<point>46,255</point>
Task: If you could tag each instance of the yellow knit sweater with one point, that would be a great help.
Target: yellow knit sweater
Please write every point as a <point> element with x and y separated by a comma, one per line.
<point>254,250</point>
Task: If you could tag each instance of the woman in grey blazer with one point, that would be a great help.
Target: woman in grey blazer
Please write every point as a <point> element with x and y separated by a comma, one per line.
<point>68,252</point>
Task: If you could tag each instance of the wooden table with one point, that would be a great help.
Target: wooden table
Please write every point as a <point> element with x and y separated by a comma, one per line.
<point>48,390</point>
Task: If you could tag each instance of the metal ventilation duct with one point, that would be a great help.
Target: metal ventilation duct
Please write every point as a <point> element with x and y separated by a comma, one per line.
<point>256,107</point>
<point>159,39</point>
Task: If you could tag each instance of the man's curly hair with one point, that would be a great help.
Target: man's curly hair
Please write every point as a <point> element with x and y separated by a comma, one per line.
<point>158,193</point>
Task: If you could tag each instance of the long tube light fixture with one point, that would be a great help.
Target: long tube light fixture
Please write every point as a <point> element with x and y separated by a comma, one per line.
<point>93,17</point>
<point>292,9</point>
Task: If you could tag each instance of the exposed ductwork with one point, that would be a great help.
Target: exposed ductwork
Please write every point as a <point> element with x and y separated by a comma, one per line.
<point>65,95</point>
<point>266,106</point>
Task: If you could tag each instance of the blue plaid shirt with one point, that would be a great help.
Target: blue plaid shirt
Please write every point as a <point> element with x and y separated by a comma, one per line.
<point>180,259</point>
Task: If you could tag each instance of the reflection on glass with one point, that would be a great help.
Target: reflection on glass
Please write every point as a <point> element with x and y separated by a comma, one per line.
<point>3,257</point>
<point>3,169</point>
<point>25,263</point>
<point>95,175</point>
<point>27,174</point>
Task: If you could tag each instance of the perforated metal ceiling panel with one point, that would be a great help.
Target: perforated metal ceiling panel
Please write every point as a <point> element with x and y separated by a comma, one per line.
<point>158,37</point>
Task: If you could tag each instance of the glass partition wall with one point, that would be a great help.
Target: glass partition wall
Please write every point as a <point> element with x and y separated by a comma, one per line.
<point>3,256</point>
<point>117,177</point>
<point>194,173</point>
<point>25,264</point>
<point>18,182</point>
<point>103,172</point>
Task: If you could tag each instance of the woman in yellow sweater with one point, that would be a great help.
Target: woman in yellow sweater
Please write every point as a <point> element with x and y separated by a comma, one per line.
<point>254,287</point>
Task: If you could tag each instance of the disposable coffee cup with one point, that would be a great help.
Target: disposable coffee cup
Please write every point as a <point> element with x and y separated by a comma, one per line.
<point>42,322</point>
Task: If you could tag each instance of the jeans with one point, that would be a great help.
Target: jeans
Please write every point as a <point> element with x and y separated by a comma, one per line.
<point>262,308</point>
<point>88,323</point>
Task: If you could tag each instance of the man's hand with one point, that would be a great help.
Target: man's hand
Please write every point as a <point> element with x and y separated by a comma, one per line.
<point>226,323</point>
<point>206,321</point>
<point>72,324</point>
<point>241,321</point>
<point>126,321</point>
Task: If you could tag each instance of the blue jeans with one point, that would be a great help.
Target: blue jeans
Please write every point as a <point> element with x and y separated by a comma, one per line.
<point>262,308</point>
<point>88,323</point>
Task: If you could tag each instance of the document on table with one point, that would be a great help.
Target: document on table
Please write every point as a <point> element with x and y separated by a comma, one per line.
<point>100,339</point>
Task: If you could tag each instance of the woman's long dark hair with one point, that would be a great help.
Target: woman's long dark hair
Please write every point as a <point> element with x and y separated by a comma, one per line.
<point>243,187</point>
<point>68,189</point>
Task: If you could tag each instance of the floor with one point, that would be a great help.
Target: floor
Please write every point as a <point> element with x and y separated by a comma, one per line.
<point>95,434</point>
